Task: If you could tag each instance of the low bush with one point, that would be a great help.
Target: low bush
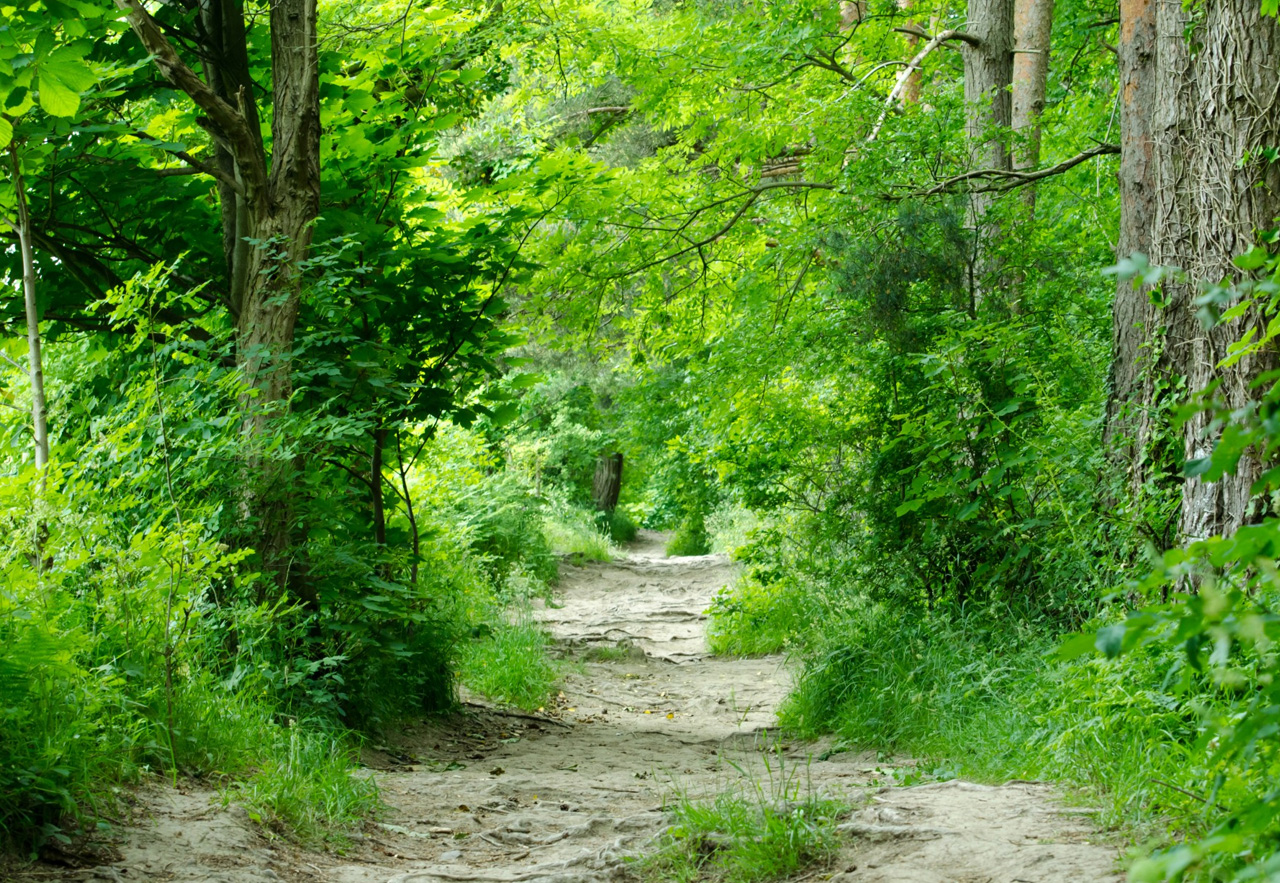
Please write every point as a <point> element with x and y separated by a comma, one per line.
<point>690,537</point>
<point>754,618</point>
<point>506,660</point>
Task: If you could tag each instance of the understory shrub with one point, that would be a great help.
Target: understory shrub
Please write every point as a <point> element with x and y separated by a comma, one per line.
<point>988,695</point>
<point>752,617</point>
<point>690,537</point>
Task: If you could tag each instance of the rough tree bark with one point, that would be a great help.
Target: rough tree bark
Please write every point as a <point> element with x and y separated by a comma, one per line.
<point>271,200</point>
<point>1131,418</point>
<point>1216,106</point>
<point>607,482</point>
<point>1032,29</point>
<point>988,73</point>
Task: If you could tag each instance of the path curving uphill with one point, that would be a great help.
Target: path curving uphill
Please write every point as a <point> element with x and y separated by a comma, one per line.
<point>566,795</point>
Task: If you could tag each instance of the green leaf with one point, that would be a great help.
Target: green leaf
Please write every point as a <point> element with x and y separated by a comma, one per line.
<point>56,98</point>
<point>1077,646</point>
<point>909,506</point>
<point>6,132</point>
<point>1253,258</point>
<point>1110,640</point>
<point>63,77</point>
<point>1197,467</point>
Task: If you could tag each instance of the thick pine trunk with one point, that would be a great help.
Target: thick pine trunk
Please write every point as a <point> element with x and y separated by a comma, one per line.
<point>1132,418</point>
<point>988,72</point>
<point>1032,29</point>
<point>1216,108</point>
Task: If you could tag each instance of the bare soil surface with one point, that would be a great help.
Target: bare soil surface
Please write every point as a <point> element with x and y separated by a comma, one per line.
<point>566,795</point>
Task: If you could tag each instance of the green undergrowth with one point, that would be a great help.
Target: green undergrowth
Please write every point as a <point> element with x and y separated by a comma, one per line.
<point>507,661</point>
<point>575,534</point>
<point>305,787</point>
<point>690,537</point>
<point>986,697</point>
<point>751,617</point>
<point>764,828</point>
<point>143,646</point>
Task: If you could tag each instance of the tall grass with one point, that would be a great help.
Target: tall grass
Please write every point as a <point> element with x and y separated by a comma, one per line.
<point>985,697</point>
<point>507,661</point>
<point>305,788</point>
<point>574,533</point>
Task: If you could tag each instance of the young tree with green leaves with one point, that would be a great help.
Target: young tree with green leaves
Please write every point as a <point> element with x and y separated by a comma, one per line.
<point>43,76</point>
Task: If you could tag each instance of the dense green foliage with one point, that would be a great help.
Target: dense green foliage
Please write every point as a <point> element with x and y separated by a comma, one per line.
<point>721,242</point>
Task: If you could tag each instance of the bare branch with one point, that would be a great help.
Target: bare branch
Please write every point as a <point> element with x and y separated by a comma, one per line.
<point>914,65</point>
<point>912,30</point>
<point>1002,180</point>
<point>195,165</point>
<point>752,194</point>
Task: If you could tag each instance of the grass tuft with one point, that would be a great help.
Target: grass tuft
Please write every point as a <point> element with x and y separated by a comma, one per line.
<point>508,662</point>
<point>762,830</point>
<point>305,789</point>
<point>574,533</point>
<point>690,537</point>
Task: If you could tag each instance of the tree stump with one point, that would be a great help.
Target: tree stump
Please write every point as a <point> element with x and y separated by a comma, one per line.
<point>607,483</point>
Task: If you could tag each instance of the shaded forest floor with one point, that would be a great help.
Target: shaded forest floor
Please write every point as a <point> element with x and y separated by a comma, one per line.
<point>646,717</point>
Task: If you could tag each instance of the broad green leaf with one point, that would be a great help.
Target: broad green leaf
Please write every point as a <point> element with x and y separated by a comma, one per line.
<point>56,97</point>
<point>909,506</point>
<point>1110,640</point>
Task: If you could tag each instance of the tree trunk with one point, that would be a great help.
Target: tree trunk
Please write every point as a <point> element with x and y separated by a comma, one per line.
<point>35,362</point>
<point>282,223</point>
<point>1132,417</point>
<point>379,438</point>
<point>226,68</point>
<point>1216,88</point>
<point>988,72</point>
<point>275,205</point>
<point>607,484</point>
<point>1032,29</point>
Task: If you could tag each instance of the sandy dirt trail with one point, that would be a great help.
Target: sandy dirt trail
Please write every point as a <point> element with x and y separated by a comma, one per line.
<point>566,795</point>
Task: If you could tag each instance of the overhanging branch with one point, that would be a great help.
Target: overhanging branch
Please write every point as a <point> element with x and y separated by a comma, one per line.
<point>904,76</point>
<point>750,195</point>
<point>1002,180</point>
<point>195,166</point>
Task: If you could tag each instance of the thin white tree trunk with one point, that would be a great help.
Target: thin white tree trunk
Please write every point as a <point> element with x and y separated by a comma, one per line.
<point>35,364</point>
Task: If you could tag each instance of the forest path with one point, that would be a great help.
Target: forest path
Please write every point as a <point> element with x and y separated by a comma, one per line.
<point>645,714</point>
